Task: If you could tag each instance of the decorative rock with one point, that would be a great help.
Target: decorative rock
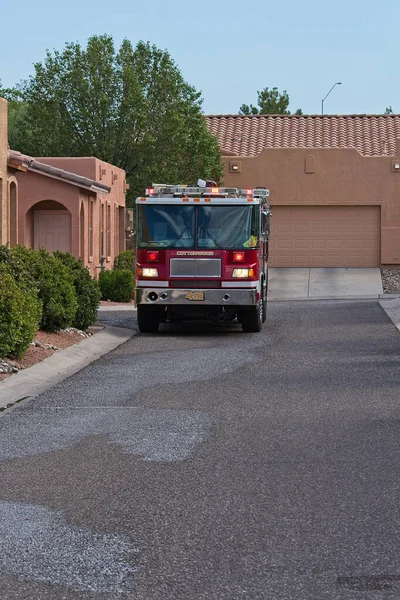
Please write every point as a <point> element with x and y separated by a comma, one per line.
<point>83,334</point>
<point>13,364</point>
<point>39,344</point>
<point>8,367</point>
<point>391,281</point>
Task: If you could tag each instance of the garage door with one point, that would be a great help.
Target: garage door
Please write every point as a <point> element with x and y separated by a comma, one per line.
<point>52,230</point>
<point>317,236</point>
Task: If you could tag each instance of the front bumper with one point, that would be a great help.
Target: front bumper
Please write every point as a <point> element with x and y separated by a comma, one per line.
<point>212,297</point>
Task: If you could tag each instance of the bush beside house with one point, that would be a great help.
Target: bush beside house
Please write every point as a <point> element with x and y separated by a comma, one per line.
<point>20,313</point>
<point>87,290</point>
<point>125,260</point>
<point>38,290</point>
<point>55,287</point>
<point>117,285</point>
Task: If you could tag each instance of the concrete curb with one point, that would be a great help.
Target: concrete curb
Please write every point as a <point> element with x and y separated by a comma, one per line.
<point>392,309</point>
<point>119,307</point>
<point>52,370</point>
<point>384,297</point>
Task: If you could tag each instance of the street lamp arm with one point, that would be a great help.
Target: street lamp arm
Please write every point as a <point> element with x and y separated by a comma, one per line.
<point>329,91</point>
<point>323,100</point>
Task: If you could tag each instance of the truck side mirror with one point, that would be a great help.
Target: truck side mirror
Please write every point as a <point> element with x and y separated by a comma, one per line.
<point>266,222</point>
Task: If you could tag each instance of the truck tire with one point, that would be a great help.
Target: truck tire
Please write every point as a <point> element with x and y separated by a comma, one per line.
<point>148,319</point>
<point>264,308</point>
<point>264,311</point>
<point>252,318</point>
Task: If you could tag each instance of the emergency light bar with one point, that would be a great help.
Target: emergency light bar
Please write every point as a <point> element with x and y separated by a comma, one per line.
<point>163,190</point>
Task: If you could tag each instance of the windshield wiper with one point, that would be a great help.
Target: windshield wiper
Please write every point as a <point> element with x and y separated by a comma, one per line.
<point>187,228</point>
<point>210,235</point>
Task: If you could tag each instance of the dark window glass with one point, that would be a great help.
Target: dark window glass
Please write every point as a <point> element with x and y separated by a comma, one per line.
<point>167,226</point>
<point>227,226</point>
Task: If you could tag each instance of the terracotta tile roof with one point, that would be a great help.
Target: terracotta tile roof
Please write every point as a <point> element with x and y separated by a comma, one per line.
<point>371,135</point>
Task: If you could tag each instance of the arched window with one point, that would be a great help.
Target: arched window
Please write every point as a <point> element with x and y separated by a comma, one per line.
<point>13,214</point>
<point>82,234</point>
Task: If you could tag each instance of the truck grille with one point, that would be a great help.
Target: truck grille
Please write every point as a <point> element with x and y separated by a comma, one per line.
<point>195,267</point>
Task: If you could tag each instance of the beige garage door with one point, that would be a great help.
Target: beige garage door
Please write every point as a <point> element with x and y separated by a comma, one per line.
<point>317,236</point>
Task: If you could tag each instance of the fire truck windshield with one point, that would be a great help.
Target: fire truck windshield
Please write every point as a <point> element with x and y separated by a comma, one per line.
<point>197,227</point>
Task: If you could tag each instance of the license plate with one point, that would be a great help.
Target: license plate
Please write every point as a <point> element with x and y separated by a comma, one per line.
<point>195,296</point>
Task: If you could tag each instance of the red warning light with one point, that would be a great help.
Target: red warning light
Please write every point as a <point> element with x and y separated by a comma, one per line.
<point>152,256</point>
<point>238,257</point>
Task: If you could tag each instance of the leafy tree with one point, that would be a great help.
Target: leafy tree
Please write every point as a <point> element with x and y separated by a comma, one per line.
<point>19,134</point>
<point>131,108</point>
<point>270,102</point>
<point>388,110</point>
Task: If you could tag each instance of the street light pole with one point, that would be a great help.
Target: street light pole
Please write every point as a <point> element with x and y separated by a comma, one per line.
<point>322,103</point>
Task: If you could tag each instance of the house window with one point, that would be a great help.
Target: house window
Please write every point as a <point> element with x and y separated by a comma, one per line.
<point>116,235</point>
<point>13,214</point>
<point>102,249</point>
<point>121,222</point>
<point>108,231</point>
<point>82,232</point>
<point>91,230</point>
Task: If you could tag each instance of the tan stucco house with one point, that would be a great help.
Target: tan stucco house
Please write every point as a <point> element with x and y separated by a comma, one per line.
<point>334,183</point>
<point>75,205</point>
<point>72,204</point>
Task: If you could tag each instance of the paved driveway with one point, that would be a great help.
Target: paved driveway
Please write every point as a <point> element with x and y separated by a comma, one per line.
<point>288,283</point>
<point>206,464</point>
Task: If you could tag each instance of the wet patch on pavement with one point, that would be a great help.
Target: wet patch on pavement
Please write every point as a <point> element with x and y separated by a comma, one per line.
<point>36,544</point>
<point>161,435</point>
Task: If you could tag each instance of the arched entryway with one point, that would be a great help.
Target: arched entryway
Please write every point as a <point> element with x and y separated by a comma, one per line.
<point>51,226</point>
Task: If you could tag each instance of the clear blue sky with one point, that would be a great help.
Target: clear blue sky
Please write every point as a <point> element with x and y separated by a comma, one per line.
<point>229,49</point>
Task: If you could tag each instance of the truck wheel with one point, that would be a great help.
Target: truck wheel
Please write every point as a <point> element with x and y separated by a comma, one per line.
<point>264,308</point>
<point>148,319</point>
<point>252,318</point>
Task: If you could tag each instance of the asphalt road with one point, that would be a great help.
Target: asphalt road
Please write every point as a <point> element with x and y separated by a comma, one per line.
<point>213,465</point>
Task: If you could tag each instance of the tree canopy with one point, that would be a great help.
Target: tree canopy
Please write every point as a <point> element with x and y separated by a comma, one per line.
<point>18,133</point>
<point>130,107</point>
<point>270,102</point>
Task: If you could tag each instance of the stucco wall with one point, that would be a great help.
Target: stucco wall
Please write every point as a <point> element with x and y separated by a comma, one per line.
<point>95,169</point>
<point>4,212</point>
<point>327,177</point>
<point>39,192</point>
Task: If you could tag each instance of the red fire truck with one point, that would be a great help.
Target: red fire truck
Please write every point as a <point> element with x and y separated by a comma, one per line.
<point>202,253</point>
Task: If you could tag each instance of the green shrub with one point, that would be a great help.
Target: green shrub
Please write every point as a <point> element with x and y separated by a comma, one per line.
<point>55,287</point>
<point>125,261</point>
<point>117,285</point>
<point>17,266</point>
<point>86,288</point>
<point>20,313</point>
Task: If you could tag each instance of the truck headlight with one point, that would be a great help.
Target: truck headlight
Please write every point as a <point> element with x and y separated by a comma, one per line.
<point>241,272</point>
<point>148,272</point>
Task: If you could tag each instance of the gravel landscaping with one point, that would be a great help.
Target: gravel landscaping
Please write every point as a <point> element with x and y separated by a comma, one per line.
<point>390,281</point>
<point>44,345</point>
